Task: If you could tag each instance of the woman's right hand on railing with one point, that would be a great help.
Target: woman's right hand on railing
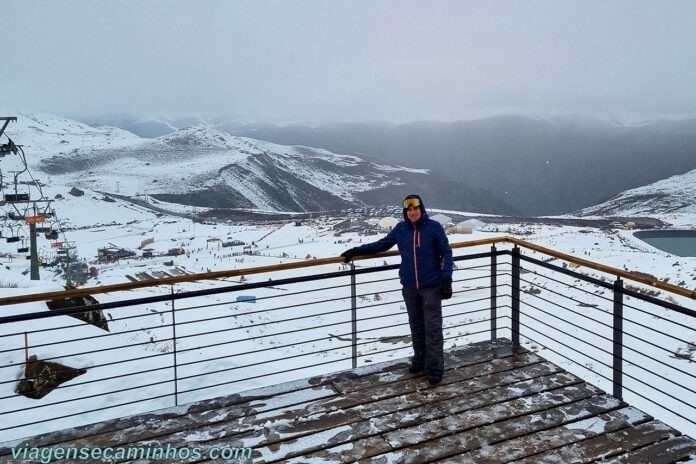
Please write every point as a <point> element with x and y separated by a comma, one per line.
<point>349,254</point>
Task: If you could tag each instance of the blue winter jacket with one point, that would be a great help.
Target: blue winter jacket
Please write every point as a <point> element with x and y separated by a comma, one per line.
<point>426,256</point>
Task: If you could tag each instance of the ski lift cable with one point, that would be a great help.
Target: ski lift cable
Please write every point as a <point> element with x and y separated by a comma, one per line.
<point>26,168</point>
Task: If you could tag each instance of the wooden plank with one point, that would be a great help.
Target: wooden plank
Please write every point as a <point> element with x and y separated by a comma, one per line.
<point>495,405</point>
<point>473,354</point>
<point>168,419</point>
<point>605,445</point>
<point>244,417</point>
<point>391,384</point>
<point>668,451</point>
<point>165,421</point>
<point>463,438</point>
<point>234,408</point>
<point>573,430</point>
<point>402,418</point>
<point>489,414</point>
<point>336,412</point>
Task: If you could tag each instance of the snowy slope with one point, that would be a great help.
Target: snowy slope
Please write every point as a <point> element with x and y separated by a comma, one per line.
<point>198,166</point>
<point>671,199</point>
<point>91,222</point>
<point>44,135</point>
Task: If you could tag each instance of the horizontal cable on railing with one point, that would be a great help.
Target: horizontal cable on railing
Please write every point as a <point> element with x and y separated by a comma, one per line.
<point>566,284</point>
<point>651,386</point>
<point>458,303</point>
<point>568,272</point>
<point>179,296</point>
<point>253,313</point>
<point>81,398</point>
<point>474,256</point>
<point>78,324</point>
<point>101,408</point>
<point>259,337</point>
<point>669,366</point>
<point>262,298</point>
<point>96,366</point>
<point>380,316</point>
<point>657,316</point>
<point>247,378</point>
<point>265,323</point>
<point>484,266</point>
<point>347,346</point>
<point>602,363</point>
<point>99,336</point>
<point>465,313</point>
<point>470,280</point>
<point>652,401</point>
<point>377,281</point>
<point>653,329</point>
<point>101,350</point>
<point>408,347</point>
<point>658,302</point>
<point>554,316</point>
<point>484,331</point>
<point>258,363</point>
<point>461,293</point>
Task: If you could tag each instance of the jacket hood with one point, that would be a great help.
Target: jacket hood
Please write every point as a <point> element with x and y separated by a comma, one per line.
<point>424,214</point>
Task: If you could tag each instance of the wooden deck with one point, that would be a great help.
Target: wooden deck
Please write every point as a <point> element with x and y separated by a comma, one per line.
<point>494,405</point>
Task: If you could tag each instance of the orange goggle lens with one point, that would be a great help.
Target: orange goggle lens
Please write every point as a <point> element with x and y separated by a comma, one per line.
<point>415,202</point>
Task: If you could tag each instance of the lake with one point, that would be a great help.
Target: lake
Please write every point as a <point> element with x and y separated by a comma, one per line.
<point>676,242</point>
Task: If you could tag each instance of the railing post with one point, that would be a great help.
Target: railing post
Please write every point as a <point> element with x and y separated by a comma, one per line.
<point>618,338</point>
<point>176,377</point>
<point>515,296</point>
<point>494,293</point>
<point>354,314</point>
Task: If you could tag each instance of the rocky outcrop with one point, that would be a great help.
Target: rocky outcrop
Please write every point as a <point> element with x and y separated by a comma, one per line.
<point>41,377</point>
<point>76,192</point>
<point>94,316</point>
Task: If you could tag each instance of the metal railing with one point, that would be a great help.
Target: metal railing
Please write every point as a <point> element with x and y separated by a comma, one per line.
<point>183,339</point>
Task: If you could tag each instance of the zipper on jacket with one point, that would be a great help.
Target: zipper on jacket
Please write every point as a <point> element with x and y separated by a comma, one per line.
<point>416,237</point>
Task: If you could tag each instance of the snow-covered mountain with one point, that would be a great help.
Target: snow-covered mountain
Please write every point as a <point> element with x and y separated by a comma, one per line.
<point>209,168</point>
<point>205,167</point>
<point>44,135</point>
<point>197,166</point>
<point>666,199</point>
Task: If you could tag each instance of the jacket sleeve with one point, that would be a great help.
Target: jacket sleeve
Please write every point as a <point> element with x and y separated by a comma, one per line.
<point>445,254</point>
<point>380,245</point>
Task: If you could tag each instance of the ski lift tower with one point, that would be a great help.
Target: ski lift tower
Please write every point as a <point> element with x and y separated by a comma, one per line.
<point>31,214</point>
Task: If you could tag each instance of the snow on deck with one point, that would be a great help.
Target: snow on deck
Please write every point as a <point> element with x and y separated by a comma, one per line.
<point>494,405</point>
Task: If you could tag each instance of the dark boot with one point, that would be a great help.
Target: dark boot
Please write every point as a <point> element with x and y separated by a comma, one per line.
<point>415,368</point>
<point>434,380</point>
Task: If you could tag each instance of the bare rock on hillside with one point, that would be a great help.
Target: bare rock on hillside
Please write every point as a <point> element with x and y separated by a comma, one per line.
<point>41,377</point>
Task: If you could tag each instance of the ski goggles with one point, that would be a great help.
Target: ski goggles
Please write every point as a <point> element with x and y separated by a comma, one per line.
<point>415,202</point>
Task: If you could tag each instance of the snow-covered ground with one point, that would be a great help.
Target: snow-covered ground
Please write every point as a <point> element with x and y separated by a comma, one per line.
<point>144,332</point>
<point>233,345</point>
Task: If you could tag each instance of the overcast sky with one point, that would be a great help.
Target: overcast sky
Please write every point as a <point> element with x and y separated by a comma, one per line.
<point>352,60</point>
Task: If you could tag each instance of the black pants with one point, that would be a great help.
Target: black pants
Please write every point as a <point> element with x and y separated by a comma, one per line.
<point>424,308</point>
